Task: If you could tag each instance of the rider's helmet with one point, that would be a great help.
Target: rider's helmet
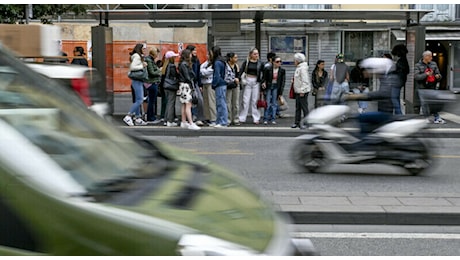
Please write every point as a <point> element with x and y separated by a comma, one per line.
<point>378,65</point>
<point>340,57</point>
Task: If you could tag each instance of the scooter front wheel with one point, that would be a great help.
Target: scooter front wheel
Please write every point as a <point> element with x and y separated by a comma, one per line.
<point>307,156</point>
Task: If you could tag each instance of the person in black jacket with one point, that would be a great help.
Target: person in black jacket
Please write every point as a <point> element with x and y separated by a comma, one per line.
<point>359,84</point>
<point>274,79</point>
<point>79,58</point>
<point>186,83</point>
<point>402,69</point>
<point>169,70</point>
<point>319,80</point>
<point>198,109</point>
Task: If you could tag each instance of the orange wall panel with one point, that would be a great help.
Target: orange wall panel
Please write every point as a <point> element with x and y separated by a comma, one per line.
<point>69,45</point>
<point>121,59</point>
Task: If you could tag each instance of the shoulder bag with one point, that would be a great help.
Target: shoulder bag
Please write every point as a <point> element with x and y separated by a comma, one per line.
<point>244,76</point>
<point>170,83</point>
<point>291,90</point>
<point>194,94</point>
<point>140,75</point>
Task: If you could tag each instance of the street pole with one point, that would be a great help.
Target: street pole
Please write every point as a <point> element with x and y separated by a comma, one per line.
<point>28,13</point>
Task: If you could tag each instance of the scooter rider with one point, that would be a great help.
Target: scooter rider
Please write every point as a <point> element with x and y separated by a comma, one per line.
<point>385,69</point>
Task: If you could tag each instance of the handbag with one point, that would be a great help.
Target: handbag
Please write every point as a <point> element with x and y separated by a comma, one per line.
<point>282,104</point>
<point>244,76</point>
<point>140,75</point>
<point>244,79</point>
<point>291,91</point>
<point>194,95</point>
<point>231,85</point>
<point>261,103</point>
<point>170,83</point>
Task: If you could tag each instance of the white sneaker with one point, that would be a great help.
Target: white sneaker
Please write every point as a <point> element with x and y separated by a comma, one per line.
<point>171,124</point>
<point>213,124</point>
<point>194,127</point>
<point>154,122</point>
<point>184,125</point>
<point>128,120</point>
<point>220,126</point>
<point>139,121</point>
<point>439,121</point>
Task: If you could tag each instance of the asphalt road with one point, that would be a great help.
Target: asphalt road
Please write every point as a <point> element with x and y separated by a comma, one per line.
<point>337,240</point>
<point>265,163</point>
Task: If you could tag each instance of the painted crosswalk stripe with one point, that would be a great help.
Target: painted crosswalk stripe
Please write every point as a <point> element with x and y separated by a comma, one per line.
<point>374,235</point>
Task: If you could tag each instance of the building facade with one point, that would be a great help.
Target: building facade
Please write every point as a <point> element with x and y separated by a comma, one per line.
<point>317,38</point>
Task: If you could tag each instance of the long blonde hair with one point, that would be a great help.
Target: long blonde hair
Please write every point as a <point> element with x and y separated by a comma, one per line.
<point>165,65</point>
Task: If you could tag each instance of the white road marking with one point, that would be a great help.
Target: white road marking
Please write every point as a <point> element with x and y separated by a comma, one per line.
<point>374,235</point>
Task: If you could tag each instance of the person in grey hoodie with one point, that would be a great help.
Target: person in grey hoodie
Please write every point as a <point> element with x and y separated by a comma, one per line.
<point>302,87</point>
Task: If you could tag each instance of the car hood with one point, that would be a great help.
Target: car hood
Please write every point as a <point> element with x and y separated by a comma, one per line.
<point>210,199</point>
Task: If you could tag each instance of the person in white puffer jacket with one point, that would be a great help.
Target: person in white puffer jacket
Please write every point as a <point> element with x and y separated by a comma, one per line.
<point>302,87</point>
<point>137,63</point>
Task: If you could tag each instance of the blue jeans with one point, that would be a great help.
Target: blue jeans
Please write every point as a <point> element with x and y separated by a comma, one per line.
<point>361,104</point>
<point>221,105</point>
<point>338,90</point>
<point>138,87</point>
<point>271,95</point>
<point>395,97</point>
<point>152,104</point>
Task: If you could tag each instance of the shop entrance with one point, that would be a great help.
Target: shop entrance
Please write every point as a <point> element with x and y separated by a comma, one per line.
<point>441,57</point>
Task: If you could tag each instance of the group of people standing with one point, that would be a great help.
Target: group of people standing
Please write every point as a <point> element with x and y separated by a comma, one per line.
<point>209,92</point>
<point>339,84</point>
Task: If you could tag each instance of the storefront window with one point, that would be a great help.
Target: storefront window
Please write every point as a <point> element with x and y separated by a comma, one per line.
<point>358,45</point>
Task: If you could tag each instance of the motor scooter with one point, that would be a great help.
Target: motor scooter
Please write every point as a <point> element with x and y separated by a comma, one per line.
<point>394,143</point>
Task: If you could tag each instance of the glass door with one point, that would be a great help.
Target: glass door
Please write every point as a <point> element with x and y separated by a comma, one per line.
<point>455,67</point>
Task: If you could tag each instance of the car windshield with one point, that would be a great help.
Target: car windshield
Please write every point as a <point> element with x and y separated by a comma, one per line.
<point>91,150</point>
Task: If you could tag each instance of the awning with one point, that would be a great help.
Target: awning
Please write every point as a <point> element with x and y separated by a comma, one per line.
<point>443,36</point>
<point>259,14</point>
<point>431,35</point>
<point>399,35</point>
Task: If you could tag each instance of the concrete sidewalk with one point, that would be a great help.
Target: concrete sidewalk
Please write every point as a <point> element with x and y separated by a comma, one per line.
<point>283,126</point>
<point>368,208</point>
<point>282,129</point>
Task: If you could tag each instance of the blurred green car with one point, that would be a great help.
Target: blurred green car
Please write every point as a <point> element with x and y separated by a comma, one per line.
<point>71,183</point>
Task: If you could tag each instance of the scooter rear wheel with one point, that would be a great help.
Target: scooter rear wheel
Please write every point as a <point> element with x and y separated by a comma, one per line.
<point>307,156</point>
